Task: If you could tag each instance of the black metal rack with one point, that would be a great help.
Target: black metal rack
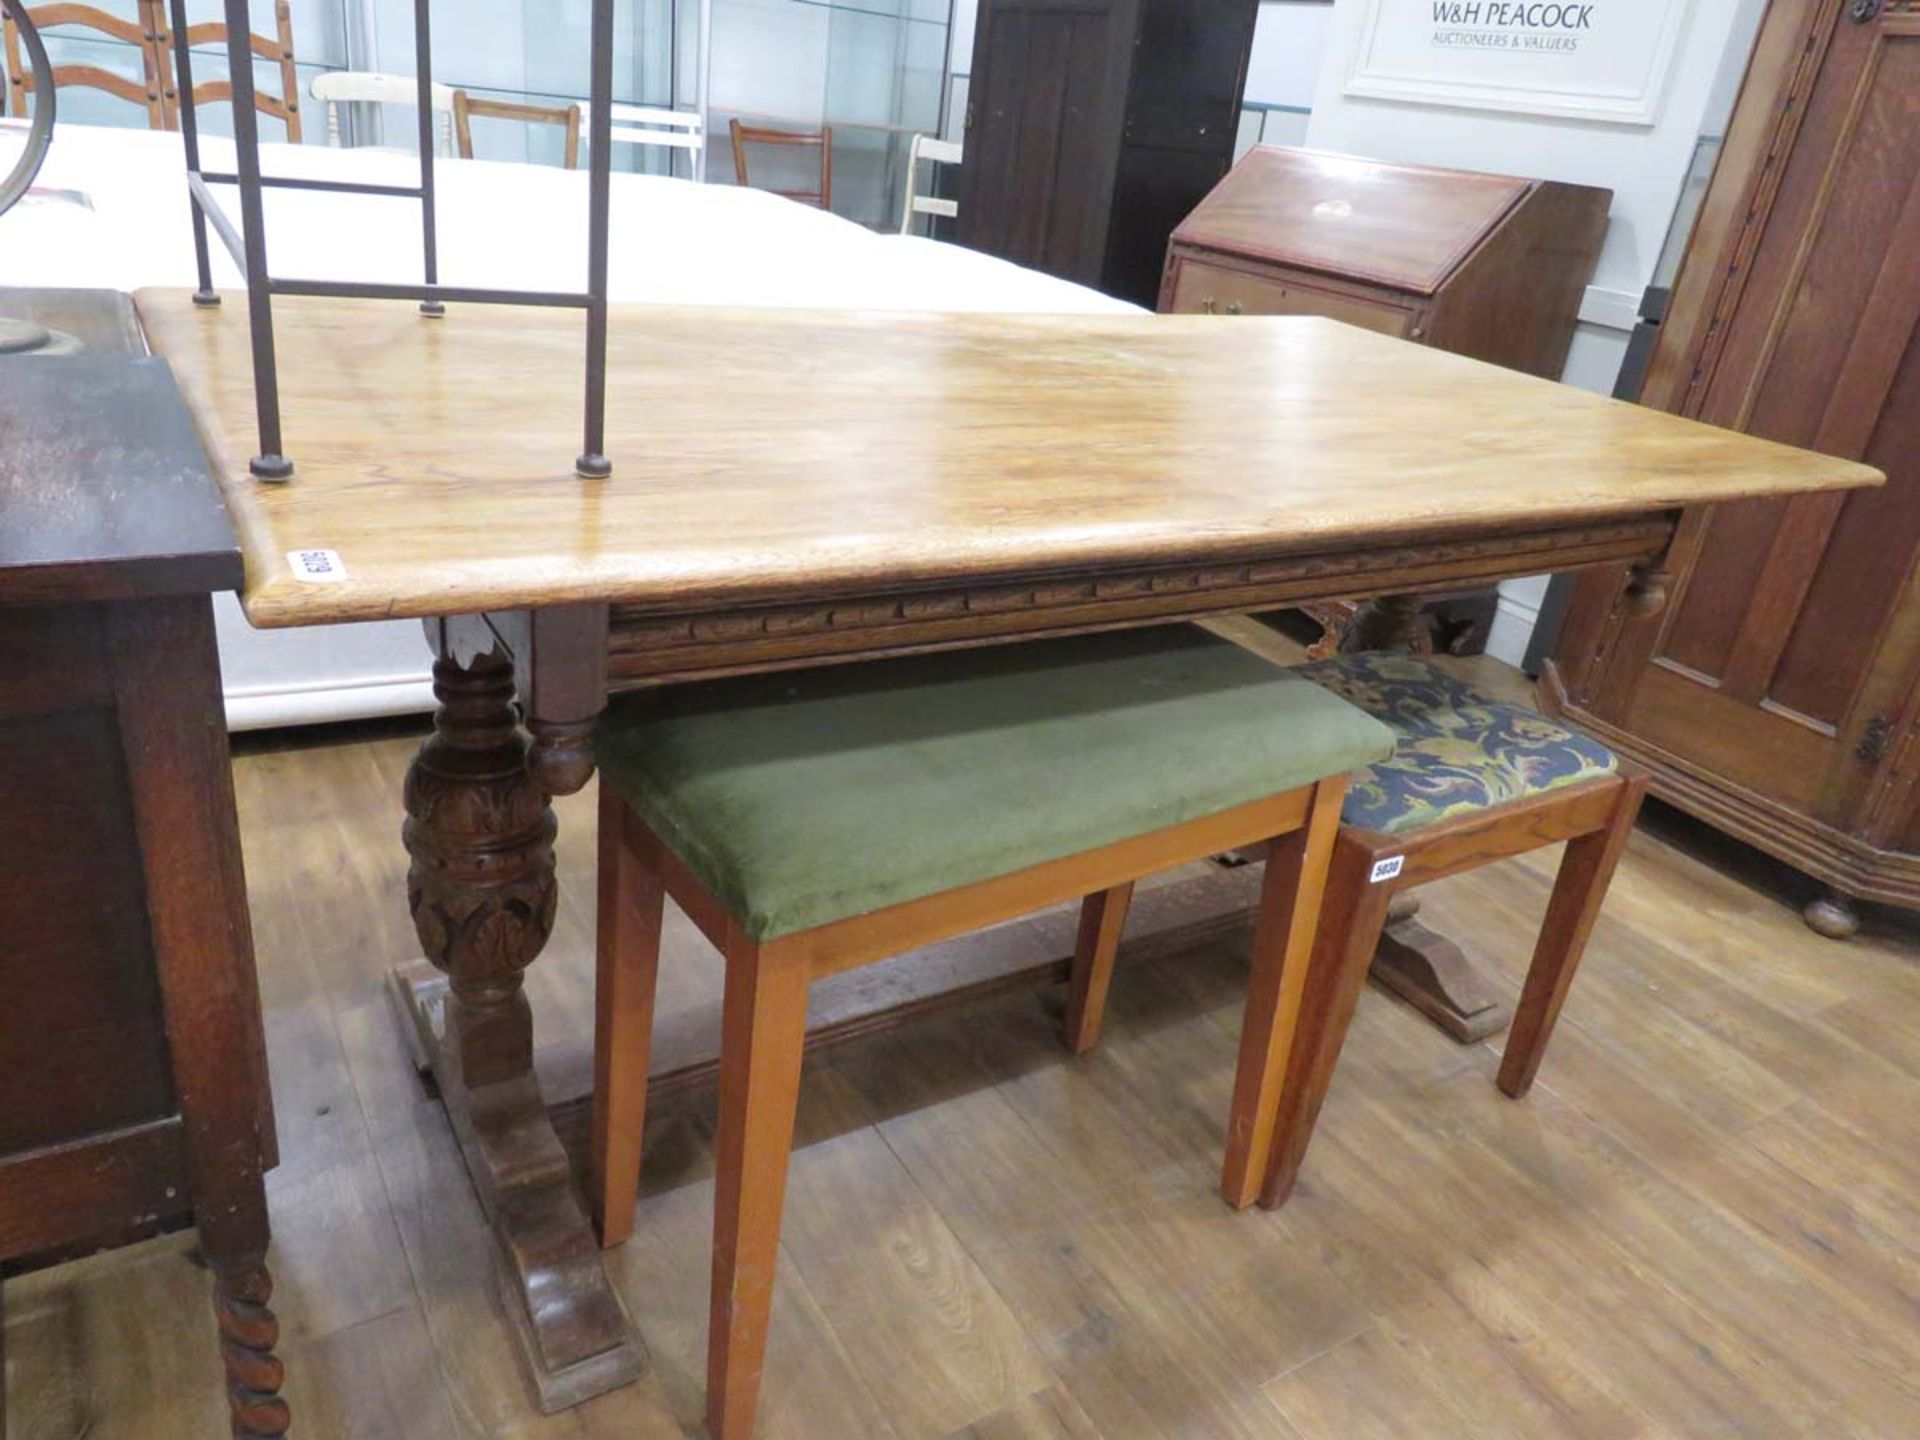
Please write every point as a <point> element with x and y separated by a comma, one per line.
<point>248,243</point>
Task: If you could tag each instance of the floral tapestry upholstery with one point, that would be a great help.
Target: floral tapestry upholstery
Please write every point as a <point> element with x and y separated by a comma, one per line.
<point>1457,750</point>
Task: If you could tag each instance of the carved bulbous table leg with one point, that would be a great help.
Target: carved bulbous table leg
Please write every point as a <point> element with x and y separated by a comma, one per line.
<point>481,887</point>
<point>482,891</point>
<point>248,1333</point>
<point>1390,622</point>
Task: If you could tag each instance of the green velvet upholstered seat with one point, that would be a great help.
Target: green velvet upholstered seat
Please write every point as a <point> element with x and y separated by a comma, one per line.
<point>807,797</point>
<point>1457,751</point>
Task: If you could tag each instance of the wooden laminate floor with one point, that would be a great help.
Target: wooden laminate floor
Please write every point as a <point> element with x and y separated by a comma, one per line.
<point>1705,1221</point>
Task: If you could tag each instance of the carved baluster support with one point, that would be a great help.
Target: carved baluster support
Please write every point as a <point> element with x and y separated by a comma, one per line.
<point>481,888</point>
<point>1389,622</point>
<point>483,893</point>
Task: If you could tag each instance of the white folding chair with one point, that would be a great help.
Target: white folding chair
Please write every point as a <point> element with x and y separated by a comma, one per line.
<point>669,130</point>
<point>349,87</point>
<point>936,152</point>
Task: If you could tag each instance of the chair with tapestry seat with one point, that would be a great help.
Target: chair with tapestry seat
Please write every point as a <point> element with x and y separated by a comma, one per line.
<point>1471,780</point>
<point>809,823</point>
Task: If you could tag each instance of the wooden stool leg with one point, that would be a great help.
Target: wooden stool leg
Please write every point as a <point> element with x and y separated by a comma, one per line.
<point>1102,918</point>
<point>1290,897</point>
<point>628,961</point>
<point>763,1032</point>
<point>1585,872</point>
<point>1351,917</point>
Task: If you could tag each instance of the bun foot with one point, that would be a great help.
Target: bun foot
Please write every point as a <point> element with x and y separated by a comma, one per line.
<point>1832,915</point>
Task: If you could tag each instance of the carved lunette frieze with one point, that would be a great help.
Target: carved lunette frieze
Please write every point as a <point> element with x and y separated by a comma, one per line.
<point>648,644</point>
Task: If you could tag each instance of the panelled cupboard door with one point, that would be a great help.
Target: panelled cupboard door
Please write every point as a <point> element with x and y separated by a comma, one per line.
<point>1787,653</point>
<point>1046,105</point>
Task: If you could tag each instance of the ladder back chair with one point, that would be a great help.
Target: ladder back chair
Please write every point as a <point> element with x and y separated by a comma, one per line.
<point>933,152</point>
<point>654,127</point>
<point>277,50</point>
<point>367,87</point>
<point>821,140</point>
<point>811,823</point>
<point>466,108</point>
<point>144,32</point>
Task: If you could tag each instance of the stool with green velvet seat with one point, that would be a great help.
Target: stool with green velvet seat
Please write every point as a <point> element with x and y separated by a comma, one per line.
<point>812,822</point>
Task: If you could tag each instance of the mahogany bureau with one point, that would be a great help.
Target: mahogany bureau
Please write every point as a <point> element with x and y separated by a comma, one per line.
<point>133,1082</point>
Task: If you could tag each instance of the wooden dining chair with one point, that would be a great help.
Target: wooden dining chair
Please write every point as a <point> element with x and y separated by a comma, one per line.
<point>466,107</point>
<point>808,824</point>
<point>653,127</point>
<point>144,33</point>
<point>366,87</point>
<point>927,150</point>
<point>821,140</point>
<point>277,50</point>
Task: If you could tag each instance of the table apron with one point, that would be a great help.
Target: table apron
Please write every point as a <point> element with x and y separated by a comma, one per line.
<point>645,645</point>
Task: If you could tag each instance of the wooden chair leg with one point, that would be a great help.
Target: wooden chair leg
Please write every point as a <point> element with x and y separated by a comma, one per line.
<point>1290,898</point>
<point>763,1032</point>
<point>1102,918</point>
<point>1578,891</point>
<point>1352,915</point>
<point>631,902</point>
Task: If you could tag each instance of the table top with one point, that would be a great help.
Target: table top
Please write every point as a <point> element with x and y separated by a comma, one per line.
<point>763,456</point>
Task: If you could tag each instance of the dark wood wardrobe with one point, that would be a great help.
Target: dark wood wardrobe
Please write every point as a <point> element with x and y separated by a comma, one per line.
<point>1778,696</point>
<point>1094,126</point>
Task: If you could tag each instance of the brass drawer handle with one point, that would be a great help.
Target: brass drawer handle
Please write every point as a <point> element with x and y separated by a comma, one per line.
<point>1234,307</point>
<point>1206,306</point>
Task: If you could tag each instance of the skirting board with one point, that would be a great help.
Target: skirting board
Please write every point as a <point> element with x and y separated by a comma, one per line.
<point>1613,309</point>
<point>1513,622</point>
<point>265,707</point>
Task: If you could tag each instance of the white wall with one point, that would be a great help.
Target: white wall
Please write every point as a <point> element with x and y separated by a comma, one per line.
<point>1289,37</point>
<point>1644,165</point>
<point>1289,40</point>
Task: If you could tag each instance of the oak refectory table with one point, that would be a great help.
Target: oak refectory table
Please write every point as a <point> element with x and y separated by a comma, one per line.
<point>791,487</point>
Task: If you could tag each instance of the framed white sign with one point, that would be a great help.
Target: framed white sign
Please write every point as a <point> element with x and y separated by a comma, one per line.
<point>1586,59</point>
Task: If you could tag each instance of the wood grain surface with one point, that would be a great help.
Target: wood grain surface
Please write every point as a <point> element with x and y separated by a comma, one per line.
<point>769,456</point>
